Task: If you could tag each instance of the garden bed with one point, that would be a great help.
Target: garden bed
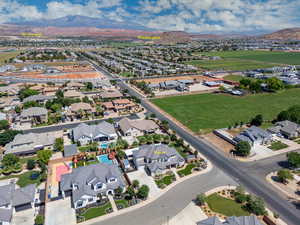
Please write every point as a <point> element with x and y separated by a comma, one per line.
<point>165,180</point>
<point>96,211</point>
<point>278,145</point>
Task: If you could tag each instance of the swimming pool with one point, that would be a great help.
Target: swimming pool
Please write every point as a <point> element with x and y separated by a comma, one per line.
<point>104,159</point>
<point>104,145</point>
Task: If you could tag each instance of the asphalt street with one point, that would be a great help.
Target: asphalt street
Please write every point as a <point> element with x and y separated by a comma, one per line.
<point>172,202</point>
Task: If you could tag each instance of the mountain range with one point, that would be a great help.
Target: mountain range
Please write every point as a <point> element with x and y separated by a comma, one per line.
<point>94,27</point>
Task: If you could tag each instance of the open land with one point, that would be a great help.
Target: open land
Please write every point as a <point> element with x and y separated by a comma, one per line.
<point>7,55</point>
<point>205,112</point>
<point>247,60</point>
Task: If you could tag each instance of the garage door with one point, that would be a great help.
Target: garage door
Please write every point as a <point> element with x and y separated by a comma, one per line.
<point>22,207</point>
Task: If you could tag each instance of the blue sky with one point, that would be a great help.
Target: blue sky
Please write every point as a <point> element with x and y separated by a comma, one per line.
<point>200,16</point>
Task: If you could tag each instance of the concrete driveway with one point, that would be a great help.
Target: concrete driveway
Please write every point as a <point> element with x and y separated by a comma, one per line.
<point>143,178</point>
<point>24,217</point>
<point>60,212</point>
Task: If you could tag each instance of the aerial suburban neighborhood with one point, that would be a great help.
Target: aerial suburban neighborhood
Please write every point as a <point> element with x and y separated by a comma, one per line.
<point>118,116</point>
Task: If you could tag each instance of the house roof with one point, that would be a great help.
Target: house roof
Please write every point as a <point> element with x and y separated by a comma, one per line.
<point>6,194</point>
<point>241,220</point>
<point>38,98</point>
<point>73,94</point>
<point>70,150</point>
<point>75,107</point>
<point>6,214</point>
<point>111,94</point>
<point>81,176</point>
<point>23,195</point>
<point>34,111</point>
<point>83,129</point>
<point>122,101</point>
<point>142,125</point>
<point>288,126</point>
<point>28,142</point>
<point>252,134</point>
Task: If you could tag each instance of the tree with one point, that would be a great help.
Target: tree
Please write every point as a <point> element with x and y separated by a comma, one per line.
<point>256,206</point>
<point>30,164</point>
<point>44,156</point>
<point>294,159</point>
<point>257,120</point>
<point>39,220</point>
<point>135,184</point>
<point>255,86</point>
<point>89,86</point>
<point>121,154</point>
<point>59,144</point>
<point>130,192</point>
<point>284,175</point>
<point>26,92</point>
<point>275,84</point>
<point>243,148</point>
<point>10,160</point>
<point>201,199</point>
<point>143,192</point>
<point>59,94</point>
<point>7,136</point>
<point>245,82</point>
<point>4,125</point>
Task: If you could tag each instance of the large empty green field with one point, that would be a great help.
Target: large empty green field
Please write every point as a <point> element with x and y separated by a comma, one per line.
<point>291,58</point>
<point>247,60</point>
<point>205,112</point>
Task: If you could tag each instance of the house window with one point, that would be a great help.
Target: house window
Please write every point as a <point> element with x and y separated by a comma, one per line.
<point>79,203</point>
<point>90,199</point>
<point>112,180</point>
<point>99,186</point>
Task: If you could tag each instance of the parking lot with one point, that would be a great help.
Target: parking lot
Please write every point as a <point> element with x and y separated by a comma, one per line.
<point>143,178</point>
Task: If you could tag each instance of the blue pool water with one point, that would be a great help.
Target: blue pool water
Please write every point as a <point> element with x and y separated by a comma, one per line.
<point>104,159</point>
<point>104,145</point>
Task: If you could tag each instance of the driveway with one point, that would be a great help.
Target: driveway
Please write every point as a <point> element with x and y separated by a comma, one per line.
<point>60,212</point>
<point>143,178</point>
<point>24,217</point>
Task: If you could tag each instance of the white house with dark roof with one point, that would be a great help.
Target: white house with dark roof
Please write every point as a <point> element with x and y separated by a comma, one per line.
<point>156,159</point>
<point>85,184</point>
<point>34,115</point>
<point>85,134</point>
<point>286,128</point>
<point>12,200</point>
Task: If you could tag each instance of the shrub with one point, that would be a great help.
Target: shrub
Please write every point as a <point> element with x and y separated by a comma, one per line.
<point>30,164</point>
<point>39,220</point>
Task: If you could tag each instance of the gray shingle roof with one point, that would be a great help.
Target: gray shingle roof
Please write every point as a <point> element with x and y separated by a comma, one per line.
<point>34,111</point>
<point>93,130</point>
<point>23,195</point>
<point>70,150</point>
<point>242,220</point>
<point>6,215</point>
<point>83,175</point>
<point>38,98</point>
<point>142,125</point>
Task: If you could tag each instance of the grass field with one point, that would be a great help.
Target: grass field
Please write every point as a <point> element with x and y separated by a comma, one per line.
<point>7,55</point>
<point>278,145</point>
<point>97,211</point>
<point>225,206</point>
<point>247,60</point>
<point>205,112</point>
<point>237,78</point>
<point>291,58</point>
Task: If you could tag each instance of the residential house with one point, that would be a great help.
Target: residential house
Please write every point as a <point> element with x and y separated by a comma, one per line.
<point>80,109</point>
<point>233,220</point>
<point>286,128</point>
<point>86,184</point>
<point>254,136</point>
<point>13,200</point>
<point>10,90</point>
<point>85,134</point>
<point>25,144</point>
<point>111,94</point>
<point>74,86</point>
<point>73,94</point>
<point>135,128</point>
<point>9,103</point>
<point>38,98</point>
<point>35,115</point>
<point>156,159</point>
<point>122,105</point>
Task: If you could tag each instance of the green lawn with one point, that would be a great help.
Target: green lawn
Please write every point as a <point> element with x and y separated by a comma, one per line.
<point>225,206</point>
<point>97,211</point>
<point>122,202</point>
<point>237,78</point>
<point>25,179</point>
<point>278,145</point>
<point>205,112</point>
<point>187,170</point>
<point>165,181</point>
<point>291,58</point>
<point>230,64</point>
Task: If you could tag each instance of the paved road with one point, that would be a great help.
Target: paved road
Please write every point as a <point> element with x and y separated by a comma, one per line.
<point>172,202</point>
<point>249,175</point>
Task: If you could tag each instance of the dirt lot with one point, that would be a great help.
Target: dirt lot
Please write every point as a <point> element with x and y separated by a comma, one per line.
<point>221,144</point>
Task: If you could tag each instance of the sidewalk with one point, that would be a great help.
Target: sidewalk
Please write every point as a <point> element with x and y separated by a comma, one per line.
<point>112,202</point>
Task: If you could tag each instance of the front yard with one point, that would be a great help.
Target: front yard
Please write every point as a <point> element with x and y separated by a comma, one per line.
<point>225,206</point>
<point>164,180</point>
<point>278,145</point>
<point>94,212</point>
